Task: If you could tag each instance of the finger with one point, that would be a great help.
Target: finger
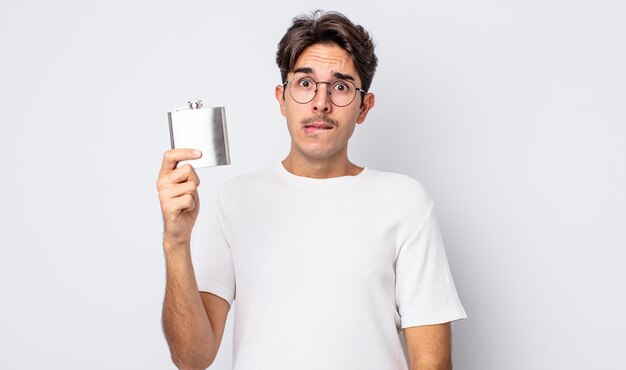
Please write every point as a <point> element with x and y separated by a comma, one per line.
<point>187,174</point>
<point>180,204</point>
<point>177,190</point>
<point>181,174</point>
<point>196,198</point>
<point>173,156</point>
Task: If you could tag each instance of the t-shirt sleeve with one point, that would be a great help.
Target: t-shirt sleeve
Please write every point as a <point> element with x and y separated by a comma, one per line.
<point>425,291</point>
<point>210,251</point>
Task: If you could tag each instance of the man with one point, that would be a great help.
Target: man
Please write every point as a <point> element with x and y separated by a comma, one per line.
<point>327,260</point>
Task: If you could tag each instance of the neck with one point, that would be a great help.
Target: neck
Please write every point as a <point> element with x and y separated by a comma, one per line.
<point>320,168</point>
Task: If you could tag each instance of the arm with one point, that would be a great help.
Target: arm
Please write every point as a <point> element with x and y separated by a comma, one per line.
<point>193,323</point>
<point>429,347</point>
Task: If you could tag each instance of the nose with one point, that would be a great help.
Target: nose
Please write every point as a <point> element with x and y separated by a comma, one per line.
<point>321,102</point>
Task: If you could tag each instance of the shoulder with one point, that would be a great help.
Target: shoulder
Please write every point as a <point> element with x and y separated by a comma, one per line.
<point>408,198</point>
<point>404,187</point>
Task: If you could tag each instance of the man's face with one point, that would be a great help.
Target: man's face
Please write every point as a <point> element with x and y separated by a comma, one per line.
<point>320,130</point>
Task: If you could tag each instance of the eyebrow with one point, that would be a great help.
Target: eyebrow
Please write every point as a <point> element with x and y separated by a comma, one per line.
<point>307,70</point>
<point>339,75</point>
<point>343,76</point>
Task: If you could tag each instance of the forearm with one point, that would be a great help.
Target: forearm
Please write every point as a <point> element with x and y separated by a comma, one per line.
<point>186,325</point>
<point>432,364</point>
<point>429,346</point>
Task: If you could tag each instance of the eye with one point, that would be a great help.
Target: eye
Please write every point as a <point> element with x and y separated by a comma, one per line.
<point>305,83</point>
<point>341,86</point>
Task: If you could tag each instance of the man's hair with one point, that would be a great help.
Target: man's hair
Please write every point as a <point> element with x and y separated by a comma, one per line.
<point>328,28</point>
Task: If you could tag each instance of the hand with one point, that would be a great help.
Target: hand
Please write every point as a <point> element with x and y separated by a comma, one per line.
<point>178,195</point>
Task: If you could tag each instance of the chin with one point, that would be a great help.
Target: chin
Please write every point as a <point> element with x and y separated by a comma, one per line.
<point>317,152</point>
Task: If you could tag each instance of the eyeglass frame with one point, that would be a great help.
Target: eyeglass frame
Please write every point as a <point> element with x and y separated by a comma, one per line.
<point>363,92</point>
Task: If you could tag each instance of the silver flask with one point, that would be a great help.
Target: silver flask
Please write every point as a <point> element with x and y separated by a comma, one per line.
<point>201,128</point>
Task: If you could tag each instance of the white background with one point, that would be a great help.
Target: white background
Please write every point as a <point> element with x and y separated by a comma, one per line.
<point>510,112</point>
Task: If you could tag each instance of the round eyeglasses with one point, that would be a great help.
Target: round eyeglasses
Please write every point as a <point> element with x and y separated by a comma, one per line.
<point>303,89</point>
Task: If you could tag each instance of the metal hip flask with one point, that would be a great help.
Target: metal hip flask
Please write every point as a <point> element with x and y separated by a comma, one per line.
<point>201,128</point>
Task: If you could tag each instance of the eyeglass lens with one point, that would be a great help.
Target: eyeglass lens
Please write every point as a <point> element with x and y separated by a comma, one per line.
<point>303,89</point>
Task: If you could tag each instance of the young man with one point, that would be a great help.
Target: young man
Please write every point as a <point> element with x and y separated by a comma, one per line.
<point>327,260</point>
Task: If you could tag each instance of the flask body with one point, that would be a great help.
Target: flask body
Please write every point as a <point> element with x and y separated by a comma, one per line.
<point>200,128</point>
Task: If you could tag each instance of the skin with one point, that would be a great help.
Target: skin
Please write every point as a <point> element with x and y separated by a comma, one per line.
<point>323,153</point>
<point>193,321</point>
<point>429,347</point>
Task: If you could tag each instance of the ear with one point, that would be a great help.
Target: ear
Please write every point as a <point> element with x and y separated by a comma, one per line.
<point>278,92</point>
<point>368,103</point>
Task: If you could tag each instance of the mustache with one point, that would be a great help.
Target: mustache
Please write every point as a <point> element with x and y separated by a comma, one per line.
<point>319,118</point>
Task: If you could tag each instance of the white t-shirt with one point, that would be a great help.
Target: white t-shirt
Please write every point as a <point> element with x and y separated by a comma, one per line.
<point>325,272</point>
